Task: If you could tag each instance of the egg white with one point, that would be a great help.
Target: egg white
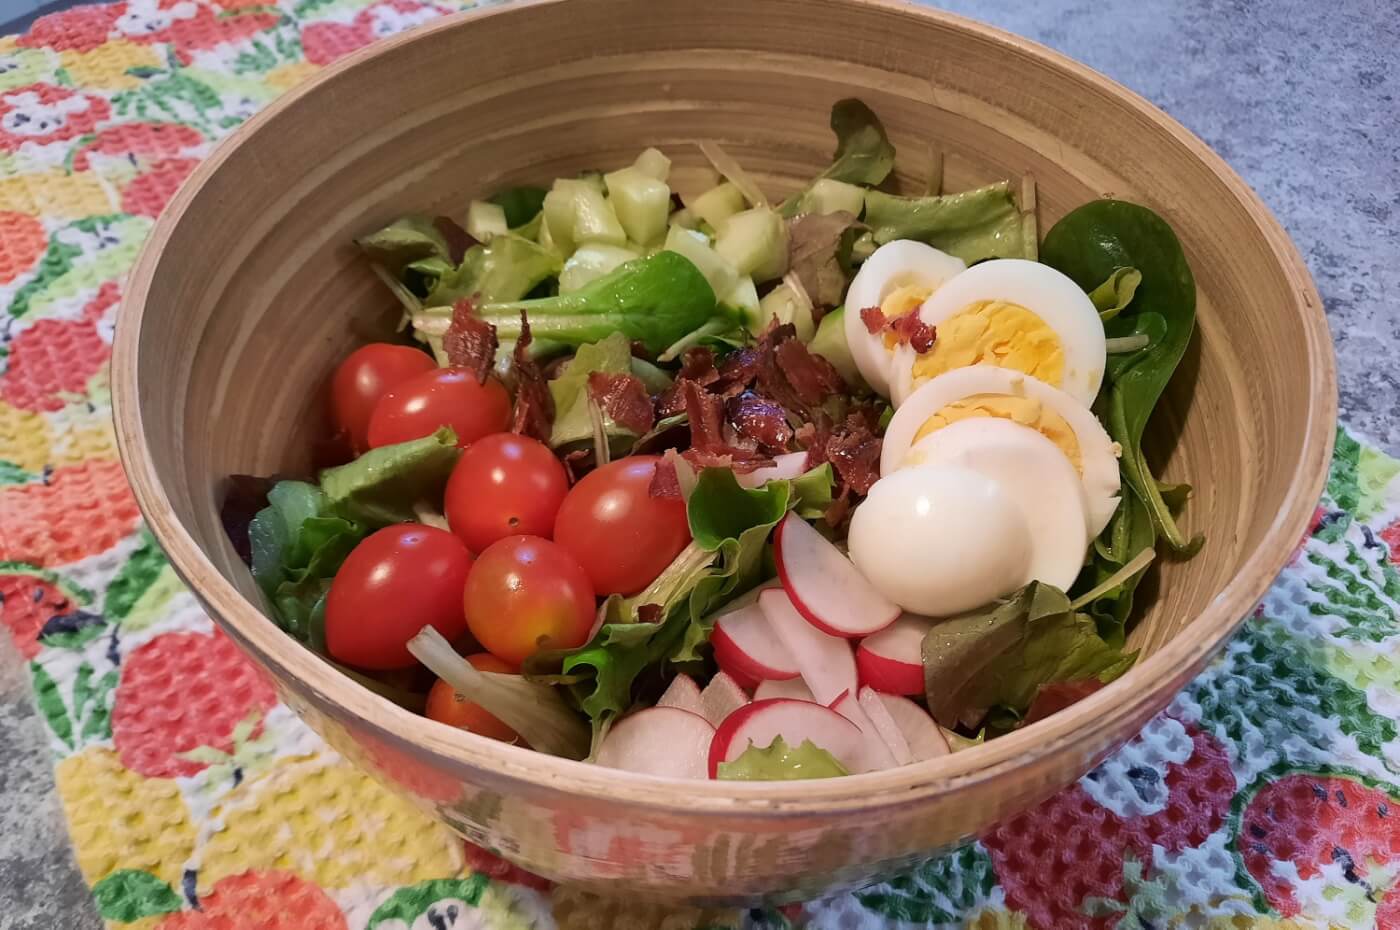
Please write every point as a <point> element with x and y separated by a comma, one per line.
<point>893,265</point>
<point>1042,290</point>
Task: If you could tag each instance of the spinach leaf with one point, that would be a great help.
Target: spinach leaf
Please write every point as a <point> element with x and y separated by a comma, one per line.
<point>998,657</point>
<point>1089,245</point>
<point>973,225</point>
<point>655,300</point>
<point>864,154</point>
<point>780,762</point>
<point>382,486</point>
<point>522,204</point>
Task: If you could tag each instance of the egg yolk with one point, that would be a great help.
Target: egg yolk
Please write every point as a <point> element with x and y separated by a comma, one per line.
<point>995,332</point>
<point>900,301</point>
<point>1026,411</point>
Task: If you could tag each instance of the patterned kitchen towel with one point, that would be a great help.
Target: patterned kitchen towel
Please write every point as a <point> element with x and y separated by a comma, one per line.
<point>1267,796</point>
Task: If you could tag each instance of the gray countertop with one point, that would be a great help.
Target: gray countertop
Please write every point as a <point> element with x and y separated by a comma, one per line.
<point>1301,97</point>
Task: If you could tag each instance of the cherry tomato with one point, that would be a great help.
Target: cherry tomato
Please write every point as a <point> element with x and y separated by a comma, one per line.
<point>363,378</point>
<point>448,706</point>
<point>441,397</point>
<point>621,535</point>
<point>396,581</point>
<point>526,594</point>
<point>504,485</point>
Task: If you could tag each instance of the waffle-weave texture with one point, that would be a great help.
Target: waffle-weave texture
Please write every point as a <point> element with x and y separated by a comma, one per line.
<point>1268,795</point>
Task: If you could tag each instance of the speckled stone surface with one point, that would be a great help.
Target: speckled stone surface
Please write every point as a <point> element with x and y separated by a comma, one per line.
<point>1301,97</point>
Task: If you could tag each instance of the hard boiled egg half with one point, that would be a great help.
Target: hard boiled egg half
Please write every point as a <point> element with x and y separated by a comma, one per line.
<point>1009,313</point>
<point>898,277</point>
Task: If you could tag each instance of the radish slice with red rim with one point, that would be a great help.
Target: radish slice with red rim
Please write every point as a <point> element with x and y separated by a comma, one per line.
<point>761,722</point>
<point>891,661</point>
<point>721,697</point>
<point>664,741</point>
<point>877,754</point>
<point>925,737</point>
<point>794,688</point>
<point>747,648</point>
<point>825,587</point>
<point>825,662</point>
<point>683,693</point>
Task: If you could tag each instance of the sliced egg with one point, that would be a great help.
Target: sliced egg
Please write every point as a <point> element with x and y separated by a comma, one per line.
<point>897,277</point>
<point>940,539</point>
<point>985,391</point>
<point>1033,472</point>
<point>1010,313</point>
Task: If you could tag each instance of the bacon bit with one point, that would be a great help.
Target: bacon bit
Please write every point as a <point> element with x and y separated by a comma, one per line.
<point>811,376</point>
<point>698,365</point>
<point>740,368</point>
<point>854,452</point>
<point>665,484</point>
<point>624,398</point>
<point>706,412</point>
<point>470,342</point>
<point>577,463</point>
<point>874,320</point>
<point>534,407</point>
<point>907,329</point>
<point>760,420</point>
<point>649,613</point>
<point>740,461</point>
<point>458,239</point>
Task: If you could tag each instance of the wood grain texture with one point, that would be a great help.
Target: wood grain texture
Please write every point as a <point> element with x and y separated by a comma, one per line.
<point>249,292</point>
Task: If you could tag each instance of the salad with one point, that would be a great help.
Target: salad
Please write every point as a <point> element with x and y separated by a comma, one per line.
<point>700,484</point>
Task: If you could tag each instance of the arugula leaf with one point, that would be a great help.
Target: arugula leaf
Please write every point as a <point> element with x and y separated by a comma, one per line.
<point>522,204</point>
<point>819,254</point>
<point>655,300</point>
<point>1089,245</point>
<point>404,241</point>
<point>864,154</point>
<point>973,225</point>
<point>572,421</point>
<point>1112,296</point>
<point>781,762</point>
<point>998,657</point>
<point>382,486</point>
<point>506,268</point>
<point>298,543</point>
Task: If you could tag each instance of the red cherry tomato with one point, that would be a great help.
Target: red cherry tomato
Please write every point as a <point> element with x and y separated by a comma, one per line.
<point>396,581</point>
<point>621,535</point>
<point>526,594</point>
<point>363,378</point>
<point>441,397</point>
<point>504,485</point>
<point>448,706</point>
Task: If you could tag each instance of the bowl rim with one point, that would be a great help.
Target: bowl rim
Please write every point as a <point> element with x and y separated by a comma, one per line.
<point>1169,668</point>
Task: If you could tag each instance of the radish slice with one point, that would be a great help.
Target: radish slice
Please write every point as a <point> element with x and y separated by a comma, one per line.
<point>747,648</point>
<point>825,662</point>
<point>926,740</point>
<point>892,660</point>
<point>721,697</point>
<point>761,722</point>
<point>889,731</point>
<point>824,586</point>
<point>877,754</point>
<point>793,688</point>
<point>664,741</point>
<point>784,467</point>
<point>682,693</point>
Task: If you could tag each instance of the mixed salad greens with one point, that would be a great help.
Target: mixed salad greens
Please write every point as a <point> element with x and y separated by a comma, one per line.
<point>703,485</point>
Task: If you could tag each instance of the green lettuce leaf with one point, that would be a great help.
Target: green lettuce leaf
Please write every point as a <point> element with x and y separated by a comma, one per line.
<point>298,543</point>
<point>819,254</point>
<point>1113,295</point>
<point>1089,245</point>
<point>781,762</point>
<point>522,204</point>
<point>973,225</point>
<point>569,389</point>
<point>382,486</point>
<point>998,657</point>
<point>506,268</point>
<point>864,154</point>
<point>404,241</point>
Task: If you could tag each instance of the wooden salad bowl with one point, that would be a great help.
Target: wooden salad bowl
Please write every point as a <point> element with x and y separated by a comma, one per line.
<point>250,291</point>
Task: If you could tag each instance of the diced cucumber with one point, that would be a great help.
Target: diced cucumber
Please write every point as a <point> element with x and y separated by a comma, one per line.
<point>641,202</point>
<point>653,164</point>
<point>755,242</point>
<point>718,203</point>
<point>544,237</point>
<point>593,179</point>
<point>685,218</point>
<point>830,343</point>
<point>744,298</point>
<point>784,305</point>
<point>589,262</point>
<point>721,274</point>
<point>830,196</point>
<point>863,247</point>
<point>577,212</point>
<point>486,220</point>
